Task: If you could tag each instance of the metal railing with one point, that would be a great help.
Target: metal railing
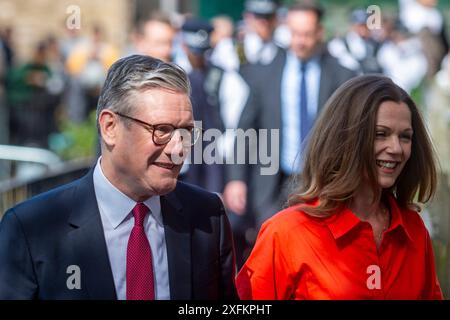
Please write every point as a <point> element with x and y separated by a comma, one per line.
<point>28,154</point>
<point>26,162</point>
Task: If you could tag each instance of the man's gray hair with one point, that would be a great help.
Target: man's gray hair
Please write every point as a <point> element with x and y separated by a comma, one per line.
<point>137,73</point>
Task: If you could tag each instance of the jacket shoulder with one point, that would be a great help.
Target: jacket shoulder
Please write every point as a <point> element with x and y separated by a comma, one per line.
<point>42,207</point>
<point>194,195</point>
<point>337,68</point>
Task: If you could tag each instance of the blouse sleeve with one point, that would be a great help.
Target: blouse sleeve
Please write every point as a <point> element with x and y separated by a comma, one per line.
<point>265,275</point>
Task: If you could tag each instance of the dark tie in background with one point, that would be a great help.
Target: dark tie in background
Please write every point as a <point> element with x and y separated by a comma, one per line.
<point>140,284</point>
<point>305,123</point>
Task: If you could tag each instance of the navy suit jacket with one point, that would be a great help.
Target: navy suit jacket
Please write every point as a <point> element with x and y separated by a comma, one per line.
<point>40,238</point>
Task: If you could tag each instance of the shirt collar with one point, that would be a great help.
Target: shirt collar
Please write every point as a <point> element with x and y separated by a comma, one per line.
<point>114,204</point>
<point>292,58</point>
<point>345,220</point>
<point>397,217</point>
<point>342,222</point>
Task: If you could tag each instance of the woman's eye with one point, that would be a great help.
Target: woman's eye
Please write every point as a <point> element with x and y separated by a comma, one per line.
<point>380,134</point>
<point>406,137</point>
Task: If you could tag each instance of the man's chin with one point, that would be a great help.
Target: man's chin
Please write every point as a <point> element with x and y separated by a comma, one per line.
<point>165,187</point>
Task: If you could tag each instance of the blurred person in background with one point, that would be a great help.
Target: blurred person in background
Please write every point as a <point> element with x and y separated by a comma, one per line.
<point>87,65</point>
<point>423,19</point>
<point>31,104</point>
<point>7,55</point>
<point>234,89</point>
<point>7,46</point>
<point>155,36</point>
<point>388,24</point>
<point>4,114</point>
<point>402,59</point>
<point>282,35</point>
<point>69,41</point>
<point>3,64</point>
<point>179,55</point>
<point>224,53</point>
<point>218,96</point>
<point>205,79</point>
<point>287,95</point>
<point>357,50</point>
<point>260,21</point>
<point>55,61</point>
<point>437,102</point>
<point>6,63</point>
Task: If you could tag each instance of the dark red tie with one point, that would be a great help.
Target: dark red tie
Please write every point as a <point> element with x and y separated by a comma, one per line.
<point>140,284</point>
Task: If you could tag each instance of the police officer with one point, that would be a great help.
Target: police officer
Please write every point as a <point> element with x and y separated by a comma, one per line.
<point>258,45</point>
<point>357,50</point>
<point>205,81</point>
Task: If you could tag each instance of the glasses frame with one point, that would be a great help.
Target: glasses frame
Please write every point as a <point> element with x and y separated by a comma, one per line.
<point>153,127</point>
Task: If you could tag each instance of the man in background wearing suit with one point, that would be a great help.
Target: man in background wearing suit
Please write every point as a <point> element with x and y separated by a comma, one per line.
<point>287,95</point>
<point>128,229</point>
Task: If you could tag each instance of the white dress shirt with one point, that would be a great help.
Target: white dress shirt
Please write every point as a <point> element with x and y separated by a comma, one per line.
<point>117,220</point>
<point>290,108</point>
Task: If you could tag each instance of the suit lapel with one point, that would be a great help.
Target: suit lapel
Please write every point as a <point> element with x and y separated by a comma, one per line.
<point>178,240</point>
<point>89,245</point>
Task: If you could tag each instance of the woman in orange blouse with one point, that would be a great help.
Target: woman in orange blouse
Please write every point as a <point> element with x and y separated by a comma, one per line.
<point>352,231</point>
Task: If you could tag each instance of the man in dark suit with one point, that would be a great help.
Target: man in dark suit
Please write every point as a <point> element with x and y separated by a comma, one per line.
<point>286,95</point>
<point>128,229</point>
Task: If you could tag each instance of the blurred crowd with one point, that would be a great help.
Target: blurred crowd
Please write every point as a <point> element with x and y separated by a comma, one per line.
<point>236,69</point>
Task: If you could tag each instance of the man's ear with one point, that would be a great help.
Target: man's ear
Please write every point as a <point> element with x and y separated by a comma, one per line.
<point>108,124</point>
<point>320,32</point>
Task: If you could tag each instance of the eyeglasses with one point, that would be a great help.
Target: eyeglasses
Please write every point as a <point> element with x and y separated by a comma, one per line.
<point>163,133</point>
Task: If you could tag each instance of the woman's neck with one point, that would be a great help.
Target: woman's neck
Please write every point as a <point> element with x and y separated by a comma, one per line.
<point>364,206</point>
<point>376,213</point>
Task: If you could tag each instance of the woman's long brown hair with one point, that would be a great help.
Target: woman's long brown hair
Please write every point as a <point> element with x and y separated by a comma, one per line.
<point>339,156</point>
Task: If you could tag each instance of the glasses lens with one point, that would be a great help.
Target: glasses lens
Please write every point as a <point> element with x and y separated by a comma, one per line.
<point>162,133</point>
<point>186,137</point>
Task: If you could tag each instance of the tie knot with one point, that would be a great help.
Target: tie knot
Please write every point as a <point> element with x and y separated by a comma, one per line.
<point>303,65</point>
<point>140,210</point>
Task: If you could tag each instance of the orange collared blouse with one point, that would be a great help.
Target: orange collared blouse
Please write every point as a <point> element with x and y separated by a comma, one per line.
<point>297,256</point>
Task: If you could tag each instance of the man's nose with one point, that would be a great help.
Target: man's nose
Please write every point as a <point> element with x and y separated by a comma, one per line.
<point>176,149</point>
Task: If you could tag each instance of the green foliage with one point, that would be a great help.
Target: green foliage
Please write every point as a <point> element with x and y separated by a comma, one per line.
<point>76,140</point>
<point>417,94</point>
